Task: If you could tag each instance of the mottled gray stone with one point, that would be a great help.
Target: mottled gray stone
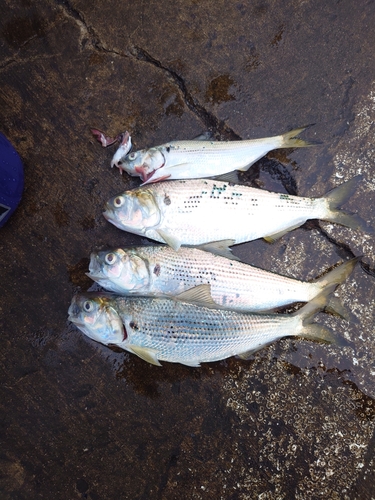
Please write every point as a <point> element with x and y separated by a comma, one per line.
<point>82,421</point>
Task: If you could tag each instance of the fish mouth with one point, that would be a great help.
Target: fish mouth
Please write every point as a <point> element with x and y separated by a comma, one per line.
<point>95,275</point>
<point>95,270</point>
<point>107,215</point>
<point>76,321</point>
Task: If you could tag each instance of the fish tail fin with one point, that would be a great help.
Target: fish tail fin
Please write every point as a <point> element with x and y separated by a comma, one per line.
<point>339,274</point>
<point>290,139</point>
<point>337,197</point>
<point>314,331</point>
<point>336,277</point>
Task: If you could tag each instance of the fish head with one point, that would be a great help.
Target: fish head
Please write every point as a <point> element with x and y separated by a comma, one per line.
<point>123,149</point>
<point>135,211</point>
<point>118,268</point>
<point>133,163</point>
<point>94,315</point>
<point>142,163</point>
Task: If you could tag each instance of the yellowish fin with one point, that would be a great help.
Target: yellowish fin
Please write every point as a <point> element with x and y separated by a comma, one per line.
<point>290,139</point>
<point>337,197</point>
<point>315,331</point>
<point>145,353</point>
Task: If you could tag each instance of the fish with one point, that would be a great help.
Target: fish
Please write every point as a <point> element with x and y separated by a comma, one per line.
<point>199,211</point>
<point>160,271</point>
<point>193,332</point>
<point>192,159</point>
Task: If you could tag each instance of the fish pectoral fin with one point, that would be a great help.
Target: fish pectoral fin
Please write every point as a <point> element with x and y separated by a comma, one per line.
<point>200,295</point>
<point>153,178</point>
<point>228,177</point>
<point>169,239</point>
<point>220,248</point>
<point>178,170</point>
<point>145,353</point>
<point>271,238</point>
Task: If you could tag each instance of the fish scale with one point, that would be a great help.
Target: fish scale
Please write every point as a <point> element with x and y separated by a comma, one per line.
<point>191,334</point>
<point>161,329</point>
<point>205,210</point>
<point>159,271</point>
<point>201,158</point>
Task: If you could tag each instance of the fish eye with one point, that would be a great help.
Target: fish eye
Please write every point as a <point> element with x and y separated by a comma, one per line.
<point>88,306</point>
<point>118,201</point>
<point>132,156</point>
<point>110,258</point>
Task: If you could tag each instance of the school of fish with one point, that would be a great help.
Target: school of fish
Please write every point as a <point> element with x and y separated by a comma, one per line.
<point>191,301</point>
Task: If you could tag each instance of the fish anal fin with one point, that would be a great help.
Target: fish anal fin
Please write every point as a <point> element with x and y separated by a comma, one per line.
<point>193,364</point>
<point>200,295</point>
<point>271,238</point>
<point>220,248</point>
<point>169,239</point>
<point>248,354</point>
<point>145,353</point>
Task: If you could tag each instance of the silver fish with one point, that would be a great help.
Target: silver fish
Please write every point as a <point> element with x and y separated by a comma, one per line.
<point>201,158</point>
<point>160,271</point>
<point>200,211</point>
<point>182,332</point>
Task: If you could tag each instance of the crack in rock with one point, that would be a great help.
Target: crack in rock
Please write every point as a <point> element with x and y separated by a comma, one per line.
<point>86,30</point>
<point>344,250</point>
<point>218,127</point>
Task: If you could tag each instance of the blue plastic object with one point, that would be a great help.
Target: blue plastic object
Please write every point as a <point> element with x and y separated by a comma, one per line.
<point>11,179</point>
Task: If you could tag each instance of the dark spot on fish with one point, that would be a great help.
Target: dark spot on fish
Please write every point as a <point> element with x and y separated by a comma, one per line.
<point>119,162</point>
<point>157,269</point>
<point>168,149</point>
<point>167,200</point>
<point>133,325</point>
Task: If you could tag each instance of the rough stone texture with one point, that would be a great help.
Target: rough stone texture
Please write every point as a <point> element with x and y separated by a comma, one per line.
<point>82,421</point>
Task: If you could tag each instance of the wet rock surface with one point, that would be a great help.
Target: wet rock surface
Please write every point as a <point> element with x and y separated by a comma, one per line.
<point>80,420</point>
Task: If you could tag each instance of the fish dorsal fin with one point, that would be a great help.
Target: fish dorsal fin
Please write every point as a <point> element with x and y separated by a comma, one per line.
<point>145,353</point>
<point>228,177</point>
<point>169,239</point>
<point>271,238</point>
<point>220,248</point>
<point>200,295</point>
